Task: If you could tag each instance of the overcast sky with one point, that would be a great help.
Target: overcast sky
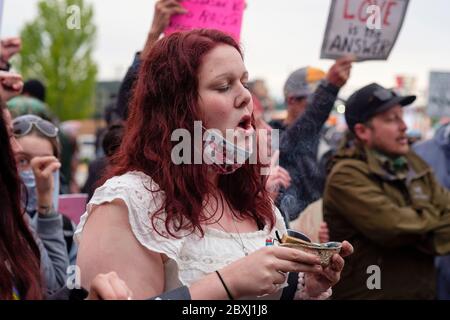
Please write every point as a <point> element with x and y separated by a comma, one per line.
<point>277,36</point>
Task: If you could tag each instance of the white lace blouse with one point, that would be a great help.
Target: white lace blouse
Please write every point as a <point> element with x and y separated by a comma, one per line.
<point>190,257</point>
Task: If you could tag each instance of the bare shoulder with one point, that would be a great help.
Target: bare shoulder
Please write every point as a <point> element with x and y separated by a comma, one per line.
<point>108,244</point>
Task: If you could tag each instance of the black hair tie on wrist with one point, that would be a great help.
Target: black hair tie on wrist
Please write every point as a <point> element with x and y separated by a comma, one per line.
<point>225,286</point>
<point>4,65</point>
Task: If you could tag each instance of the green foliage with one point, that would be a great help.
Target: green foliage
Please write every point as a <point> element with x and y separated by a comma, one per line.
<point>61,56</point>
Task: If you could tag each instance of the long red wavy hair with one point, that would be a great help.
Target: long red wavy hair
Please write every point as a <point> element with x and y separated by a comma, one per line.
<point>165,98</point>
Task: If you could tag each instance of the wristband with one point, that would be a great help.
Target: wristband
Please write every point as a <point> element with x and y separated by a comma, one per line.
<point>225,286</point>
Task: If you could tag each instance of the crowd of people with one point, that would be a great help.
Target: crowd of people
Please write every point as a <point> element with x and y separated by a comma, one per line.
<point>156,227</point>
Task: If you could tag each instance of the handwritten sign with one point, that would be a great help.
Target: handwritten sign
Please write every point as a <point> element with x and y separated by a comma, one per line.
<point>439,94</point>
<point>367,29</point>
<point>224,15</point>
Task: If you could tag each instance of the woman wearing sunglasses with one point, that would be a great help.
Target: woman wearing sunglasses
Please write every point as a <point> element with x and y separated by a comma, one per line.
<point>38,166</point>
<point>36,158</point>
<point>38,162</point>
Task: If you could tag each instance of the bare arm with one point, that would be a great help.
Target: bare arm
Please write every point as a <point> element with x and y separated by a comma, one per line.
<point>108,244</point>
<point>164,10</point>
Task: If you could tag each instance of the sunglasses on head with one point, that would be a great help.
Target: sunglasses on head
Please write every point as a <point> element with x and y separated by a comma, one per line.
<point>384,95</point>
<point>24,124</point>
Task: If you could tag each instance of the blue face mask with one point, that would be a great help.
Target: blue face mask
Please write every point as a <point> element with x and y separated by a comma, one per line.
<point>29,181</point>
<point>55,190</point>
<point>30,198</point>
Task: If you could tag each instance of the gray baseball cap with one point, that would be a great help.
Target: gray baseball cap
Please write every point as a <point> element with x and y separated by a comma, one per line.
<point>302,82</point>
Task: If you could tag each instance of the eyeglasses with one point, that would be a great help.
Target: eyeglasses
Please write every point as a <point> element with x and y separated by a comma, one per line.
<point>384,95</point>
<point>24,124</point>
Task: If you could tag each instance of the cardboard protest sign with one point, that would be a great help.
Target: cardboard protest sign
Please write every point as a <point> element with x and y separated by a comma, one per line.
<point>368,29</point>
<point>224,15</point>
<point>439,94</point>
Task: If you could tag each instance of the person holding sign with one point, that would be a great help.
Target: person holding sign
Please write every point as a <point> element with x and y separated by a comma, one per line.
<point>164,10</point>
<point>203,225</point>
<point>387,200</point>
<point>169,16</point>
<point>310,95</point>
<point>8,48</point>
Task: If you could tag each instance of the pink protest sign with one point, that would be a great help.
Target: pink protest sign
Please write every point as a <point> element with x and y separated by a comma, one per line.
<point>224,15</point>
<point>72,206</point>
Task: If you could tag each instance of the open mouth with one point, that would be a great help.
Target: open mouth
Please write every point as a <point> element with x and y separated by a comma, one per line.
<point>402,140</point>
<point>245,123</point>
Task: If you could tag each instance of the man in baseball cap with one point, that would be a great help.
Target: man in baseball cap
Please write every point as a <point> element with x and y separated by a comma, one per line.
<point>374,100</point>
<point>299,85</point>
<point>371,100</point>
<point>386,200</point>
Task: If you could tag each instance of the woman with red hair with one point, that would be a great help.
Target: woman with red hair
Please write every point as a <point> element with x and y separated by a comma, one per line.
<point>162,224</point>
